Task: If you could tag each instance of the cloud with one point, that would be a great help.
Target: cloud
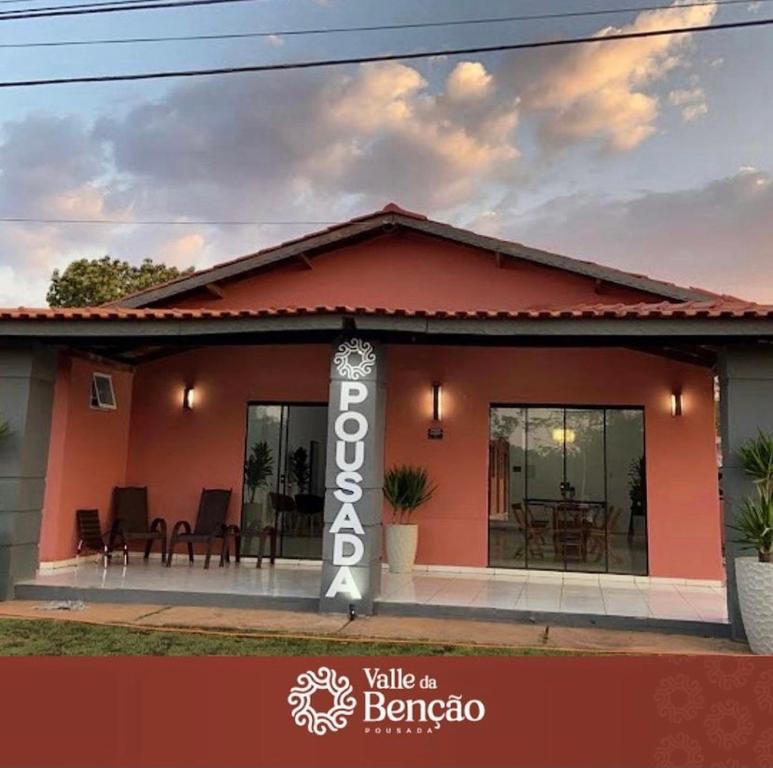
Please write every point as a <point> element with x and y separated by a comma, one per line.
<point>375,132</point>
<point>604,90</point>
<point>717,235</point>
<point>692,102</point>
<point>468,80</point>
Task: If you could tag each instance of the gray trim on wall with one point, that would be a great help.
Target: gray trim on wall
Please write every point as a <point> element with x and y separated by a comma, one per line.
<point>687,328</point>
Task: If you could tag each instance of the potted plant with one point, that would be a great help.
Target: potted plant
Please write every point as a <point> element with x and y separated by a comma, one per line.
<point>406,488</point>
<point>257,470</point>
<point>754,526</point>
<point>300,471</point>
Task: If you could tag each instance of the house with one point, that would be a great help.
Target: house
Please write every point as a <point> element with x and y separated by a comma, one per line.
<point>525,382</point>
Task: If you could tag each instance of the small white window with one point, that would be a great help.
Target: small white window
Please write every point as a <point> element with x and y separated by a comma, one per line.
<point>102,392</point>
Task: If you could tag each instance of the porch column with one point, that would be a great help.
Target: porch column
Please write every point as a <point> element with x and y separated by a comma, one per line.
<point>746,406</point>
<point>27,376</point>
<point>351,546</point>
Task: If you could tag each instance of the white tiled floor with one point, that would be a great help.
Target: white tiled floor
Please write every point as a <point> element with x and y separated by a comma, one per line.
<point>477,588</point>
<point>566,593</point>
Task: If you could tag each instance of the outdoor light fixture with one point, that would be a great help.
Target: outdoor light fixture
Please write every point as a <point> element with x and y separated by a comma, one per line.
<point>435,431</point>
<point>188,397</point>
<point>676,403</point>
<point>437,402</point>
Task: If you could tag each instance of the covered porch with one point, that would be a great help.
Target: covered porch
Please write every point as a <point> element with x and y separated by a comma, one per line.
<point>233,361</point>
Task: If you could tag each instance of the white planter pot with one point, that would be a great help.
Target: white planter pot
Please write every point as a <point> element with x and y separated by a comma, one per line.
<point>401,542</point>
<point>755,593</point>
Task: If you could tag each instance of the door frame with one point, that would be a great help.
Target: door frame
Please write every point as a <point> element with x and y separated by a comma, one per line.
<point>282,404</point>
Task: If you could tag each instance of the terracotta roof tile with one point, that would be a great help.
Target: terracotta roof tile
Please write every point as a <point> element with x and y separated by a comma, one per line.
<point>727,308</point>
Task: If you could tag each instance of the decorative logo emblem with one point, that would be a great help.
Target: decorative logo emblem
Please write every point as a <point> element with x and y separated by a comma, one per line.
<point>354,358</point>
<point>328,681</point>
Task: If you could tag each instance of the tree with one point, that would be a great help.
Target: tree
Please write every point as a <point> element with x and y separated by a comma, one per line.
<point>90,282</point>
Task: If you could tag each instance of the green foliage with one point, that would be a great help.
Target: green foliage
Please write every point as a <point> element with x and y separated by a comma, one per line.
<point>258,468</point>
<point>754,522</point>
<point>91,282</point>
<point>5,430</point>
<point>300,470</point>
<point>757,461</point>
<point>406,488</point>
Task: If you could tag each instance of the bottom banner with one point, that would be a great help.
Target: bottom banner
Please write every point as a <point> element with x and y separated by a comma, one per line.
<point>220,712</point>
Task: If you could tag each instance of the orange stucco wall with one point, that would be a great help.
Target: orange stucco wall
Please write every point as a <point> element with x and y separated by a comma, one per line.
<point>682,482</point>
<point>87,454</point>
<point>412,271</point>
<point>177,452</point>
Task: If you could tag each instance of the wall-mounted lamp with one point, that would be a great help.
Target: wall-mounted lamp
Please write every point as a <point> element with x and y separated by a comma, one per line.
<point>188,397</point>
<point>437,401</point>
<point>435,431</point>
<point>676,403</point>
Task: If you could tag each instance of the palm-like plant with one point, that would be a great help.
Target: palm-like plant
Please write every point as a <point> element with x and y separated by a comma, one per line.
<point>5,430</point>
<point>754,523</point>
<point>406,488</point>
<point>258,468</point>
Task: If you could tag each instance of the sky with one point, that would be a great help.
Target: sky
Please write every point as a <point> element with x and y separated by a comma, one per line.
<point>652,155</point>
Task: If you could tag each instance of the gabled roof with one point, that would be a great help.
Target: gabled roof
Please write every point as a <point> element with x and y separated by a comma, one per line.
<point>392,218</point>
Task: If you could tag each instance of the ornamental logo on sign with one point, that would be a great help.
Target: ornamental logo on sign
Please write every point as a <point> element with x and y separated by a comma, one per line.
<point>354,359</point>
<point>389,702</point>
<point>328,681</point>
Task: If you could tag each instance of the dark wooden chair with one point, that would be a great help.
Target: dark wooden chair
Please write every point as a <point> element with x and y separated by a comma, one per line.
<point>90,536</point>
<point>285,512</point>
<point>268,533</point>
<point>130,522</point>
<point>210,525</point>
<point>310,509</point>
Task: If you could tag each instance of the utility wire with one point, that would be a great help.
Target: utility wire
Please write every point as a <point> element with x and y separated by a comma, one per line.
<point>184,73</point>
<point>371,28</point>
<point>110,6</point>
<point>161,222</point>
<point>116,6</point>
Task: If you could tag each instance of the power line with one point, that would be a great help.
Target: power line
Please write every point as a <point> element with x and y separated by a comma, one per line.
<point>161,222</point>
<point>370,28</point>
<point>253,68</point>
<point>112,6</point>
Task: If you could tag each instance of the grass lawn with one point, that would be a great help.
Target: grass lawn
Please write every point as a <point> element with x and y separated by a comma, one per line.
<point>49,637</point>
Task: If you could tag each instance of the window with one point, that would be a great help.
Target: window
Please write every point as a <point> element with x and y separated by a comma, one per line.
<point>102,393</point>
<point>567,489</point>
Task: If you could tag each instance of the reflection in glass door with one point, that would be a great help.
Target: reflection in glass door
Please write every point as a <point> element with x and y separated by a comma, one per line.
<point>284,477</point>
<point>567,489</point>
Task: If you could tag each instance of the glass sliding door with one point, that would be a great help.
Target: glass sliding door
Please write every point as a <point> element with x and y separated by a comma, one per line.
<point>567,489</point>
<point>284,477</point>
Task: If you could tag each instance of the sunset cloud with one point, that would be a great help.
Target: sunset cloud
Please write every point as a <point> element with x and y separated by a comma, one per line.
<point>684,236</point>
<point>605,91</point>
<point>691,101</point>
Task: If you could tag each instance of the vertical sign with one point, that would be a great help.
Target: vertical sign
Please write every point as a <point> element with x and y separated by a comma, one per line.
<point>351,548</point>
